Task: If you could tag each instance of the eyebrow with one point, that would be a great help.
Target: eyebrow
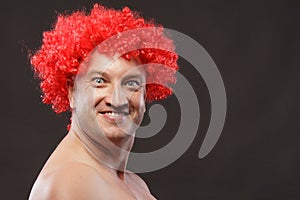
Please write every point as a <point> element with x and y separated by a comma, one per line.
<point>135,75</point>
<point>98,72</point>
<point>105,74</point>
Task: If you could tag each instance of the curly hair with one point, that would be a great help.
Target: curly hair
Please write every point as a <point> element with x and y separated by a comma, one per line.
<point>74,36</point>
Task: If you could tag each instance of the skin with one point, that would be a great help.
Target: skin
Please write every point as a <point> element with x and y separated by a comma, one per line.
<point>81,169</point>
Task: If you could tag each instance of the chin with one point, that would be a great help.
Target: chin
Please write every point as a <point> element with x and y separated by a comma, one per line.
<point>120,138</point>
<point>117,131</point>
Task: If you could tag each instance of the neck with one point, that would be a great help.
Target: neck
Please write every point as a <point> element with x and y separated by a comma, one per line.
<point>112,154</point>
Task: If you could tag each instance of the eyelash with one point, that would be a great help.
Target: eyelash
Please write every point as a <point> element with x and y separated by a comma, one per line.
<point>98,81</point>
<point>137,83</point>
<point>98,78</point>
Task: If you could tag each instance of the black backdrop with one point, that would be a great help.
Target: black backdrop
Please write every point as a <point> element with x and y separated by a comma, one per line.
<point>255,45</point>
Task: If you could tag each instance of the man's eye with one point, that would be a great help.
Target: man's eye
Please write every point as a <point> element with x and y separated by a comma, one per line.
<point>132,84</point>
<point>98,80</point>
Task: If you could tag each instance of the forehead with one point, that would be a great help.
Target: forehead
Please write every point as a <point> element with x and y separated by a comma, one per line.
<point>111,65</point>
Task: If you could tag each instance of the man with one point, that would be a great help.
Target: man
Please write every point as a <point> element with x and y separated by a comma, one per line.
<point>104,82</point>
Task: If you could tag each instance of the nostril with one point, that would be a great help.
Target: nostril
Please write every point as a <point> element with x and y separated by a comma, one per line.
<point>108,104</point>
<point>120,108</point>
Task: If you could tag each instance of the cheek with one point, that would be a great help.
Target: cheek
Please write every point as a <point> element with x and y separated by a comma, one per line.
<point>97,96</point>
<point>138,102</point>
<point>84,99</point>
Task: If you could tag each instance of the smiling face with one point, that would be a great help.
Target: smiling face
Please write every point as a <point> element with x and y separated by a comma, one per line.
<point>107,98</point>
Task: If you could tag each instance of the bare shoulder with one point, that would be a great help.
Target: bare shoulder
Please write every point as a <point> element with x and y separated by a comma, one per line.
<point>72,181</point>
<point>139,187</point>
<point>138,180</point>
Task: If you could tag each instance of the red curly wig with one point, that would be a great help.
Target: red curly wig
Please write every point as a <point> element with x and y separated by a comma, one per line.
<point>74,36</point>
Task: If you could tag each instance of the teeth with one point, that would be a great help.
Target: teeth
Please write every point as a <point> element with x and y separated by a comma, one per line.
<point>113,114</point>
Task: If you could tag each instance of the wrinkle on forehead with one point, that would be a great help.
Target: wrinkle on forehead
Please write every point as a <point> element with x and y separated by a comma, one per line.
<point>102,62</point>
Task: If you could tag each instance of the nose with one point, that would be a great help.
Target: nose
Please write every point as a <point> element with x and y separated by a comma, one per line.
<point>117,99</point>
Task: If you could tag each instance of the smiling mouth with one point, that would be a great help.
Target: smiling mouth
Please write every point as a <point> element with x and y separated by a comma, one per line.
<point>114,116</point>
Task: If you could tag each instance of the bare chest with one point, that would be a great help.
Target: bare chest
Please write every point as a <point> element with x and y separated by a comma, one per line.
<point>130,191</point>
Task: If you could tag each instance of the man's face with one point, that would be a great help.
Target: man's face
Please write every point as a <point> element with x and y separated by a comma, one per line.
<point>107,98</point>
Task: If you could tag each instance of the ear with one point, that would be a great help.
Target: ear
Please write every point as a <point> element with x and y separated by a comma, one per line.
<point>145,107</point>
<point>145,101</point>
<point>70,89</point>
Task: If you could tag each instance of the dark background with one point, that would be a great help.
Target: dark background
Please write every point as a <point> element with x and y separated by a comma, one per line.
<point>255,45</point>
